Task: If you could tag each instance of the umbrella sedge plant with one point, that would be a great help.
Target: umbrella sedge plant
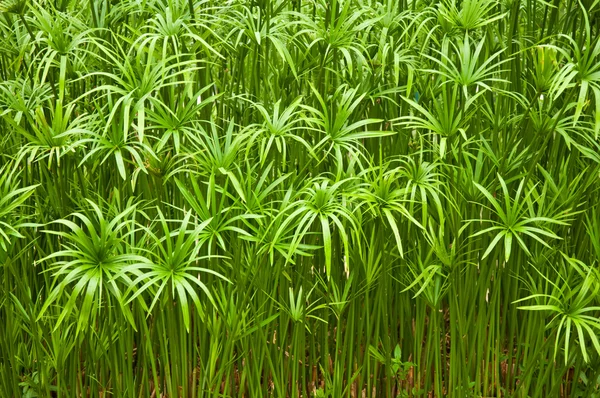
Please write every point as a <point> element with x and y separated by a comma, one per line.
<point>308,198</point>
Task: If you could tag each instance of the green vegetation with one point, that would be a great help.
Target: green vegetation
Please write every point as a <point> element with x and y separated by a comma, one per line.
<point>300,198</point>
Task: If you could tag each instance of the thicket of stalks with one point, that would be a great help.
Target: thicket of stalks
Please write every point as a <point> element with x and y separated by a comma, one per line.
<point>298,198</point>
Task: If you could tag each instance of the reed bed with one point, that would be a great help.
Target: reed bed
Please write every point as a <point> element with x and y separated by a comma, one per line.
<point>299,198</point>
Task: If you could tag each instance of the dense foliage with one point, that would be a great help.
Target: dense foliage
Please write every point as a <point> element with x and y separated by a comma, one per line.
<point>297,198</point>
